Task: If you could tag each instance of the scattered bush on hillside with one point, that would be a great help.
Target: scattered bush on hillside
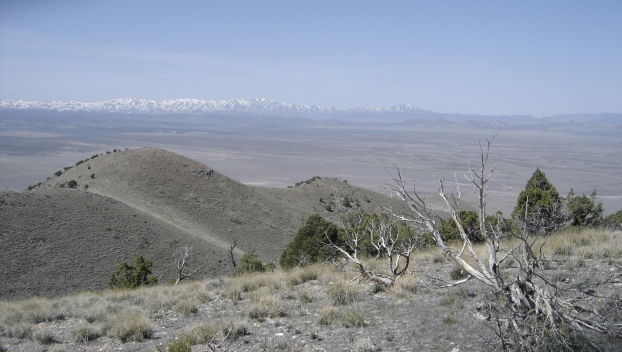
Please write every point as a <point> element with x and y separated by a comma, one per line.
<point>346,202</point>
<point>249,263</point>
<point>72,184</point>
<point>307,181</point>
<point>34,186</point>
<point>58,173</point>
<point>614,221</point>
<point>308,246</point>
<point>526,308</point>
<point>270,266</point>
<point>585,211</point>
<point>449,231</point>
<point>539,207</point>
<point>129,277</point>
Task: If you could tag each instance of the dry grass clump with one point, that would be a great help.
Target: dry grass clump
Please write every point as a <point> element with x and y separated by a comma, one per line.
<point>349,317</point>
<point>83,332</point>
<point>233,292</point>
<point>43,336</point>
<point>299,276</point>
<point>187,306</point>
<point>329,315</point>
<point>305,296</point>
<point>405,286</point>
<point>207,332</point>
<point>182,343</point>
<point>129,325</point>
<point>353,317</point>
<point>342,293</point>
<point>35,310</point>
<point>211,333</point>
<point>266,306</point>
<point>20,330</point>
<point>365,345</point>
<point>252,282</point>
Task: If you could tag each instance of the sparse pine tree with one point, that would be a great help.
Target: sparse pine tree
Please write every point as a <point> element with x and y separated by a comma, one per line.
<point>249,263</point>
<point>539,206</point>
<point>585,211</point>
<point>308,246</point>
<point>129,277</point>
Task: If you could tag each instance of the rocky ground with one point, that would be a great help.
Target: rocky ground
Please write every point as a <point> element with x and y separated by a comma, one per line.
<point>319,308</point>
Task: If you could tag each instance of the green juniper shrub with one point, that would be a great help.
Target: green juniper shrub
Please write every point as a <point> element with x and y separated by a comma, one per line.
<point>470,222</point>
<point>249,263</point>
<point>129,277</point>
<point>309,245</point>
<point>539,205</point>
<point>270,266</point>
<point>346,202</point>
<point>614,221</point>
<point>585,211</point>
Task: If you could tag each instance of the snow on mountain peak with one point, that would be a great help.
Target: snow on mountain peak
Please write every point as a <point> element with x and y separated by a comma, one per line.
<point>261,106</point>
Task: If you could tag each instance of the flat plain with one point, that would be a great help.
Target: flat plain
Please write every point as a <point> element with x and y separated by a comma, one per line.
<point>279,152</point>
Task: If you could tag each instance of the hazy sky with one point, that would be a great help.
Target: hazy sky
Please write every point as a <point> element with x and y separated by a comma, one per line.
<point>487,57</point>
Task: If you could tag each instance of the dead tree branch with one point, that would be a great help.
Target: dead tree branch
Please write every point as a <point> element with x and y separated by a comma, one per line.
<point>183,267</point>
<point>531,311</point>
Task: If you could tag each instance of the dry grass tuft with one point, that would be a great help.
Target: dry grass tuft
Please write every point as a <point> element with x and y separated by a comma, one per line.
<point>329,315</point>
<point>405,286</point>
<point>353,317</point>
<point>44,336</point>
<point>263,306</point>
<point>300,276</point>
<point>84,332</point>
<point>342,293</point>
<point>129,325</point>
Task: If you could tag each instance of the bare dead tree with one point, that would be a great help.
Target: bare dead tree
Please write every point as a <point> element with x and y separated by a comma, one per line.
<point>183,267</point>
<point>215,342</point>
<point>393,239</point>
<point>232,246</point>
<point>527,310</point>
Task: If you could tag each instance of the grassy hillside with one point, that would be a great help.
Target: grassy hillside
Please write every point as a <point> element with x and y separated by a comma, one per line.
<point>321,307</point>
<point>70,233</point>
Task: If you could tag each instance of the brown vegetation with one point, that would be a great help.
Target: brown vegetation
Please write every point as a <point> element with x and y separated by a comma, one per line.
<point>320,306</point>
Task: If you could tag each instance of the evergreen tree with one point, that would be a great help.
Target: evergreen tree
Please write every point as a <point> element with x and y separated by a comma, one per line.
<point>470,222</point>
<point>128,276</point>
<point>308,245</point>
<point>250,263</point>
<point>539,206</point>
<point>585,211</point>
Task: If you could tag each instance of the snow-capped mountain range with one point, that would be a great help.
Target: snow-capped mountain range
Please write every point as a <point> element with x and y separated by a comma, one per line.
<point>196,106</point>
<point>273,108</point>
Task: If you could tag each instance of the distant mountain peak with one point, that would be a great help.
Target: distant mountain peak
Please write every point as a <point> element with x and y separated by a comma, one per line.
<point>261,106</point>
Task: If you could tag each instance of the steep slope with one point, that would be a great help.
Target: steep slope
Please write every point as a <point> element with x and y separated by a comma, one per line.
<point>55,241</point>
<point>153,202</point>
<point>197,199</point>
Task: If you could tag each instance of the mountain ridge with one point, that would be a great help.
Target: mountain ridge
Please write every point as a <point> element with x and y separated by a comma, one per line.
<point>188,105</point>
<point>71,231</point>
